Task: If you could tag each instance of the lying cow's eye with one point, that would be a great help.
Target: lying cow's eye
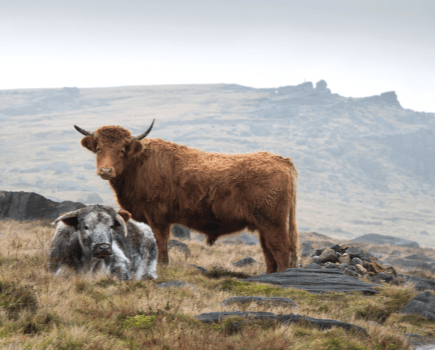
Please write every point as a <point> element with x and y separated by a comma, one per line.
<point>86,228</point>
<point>112,227</point>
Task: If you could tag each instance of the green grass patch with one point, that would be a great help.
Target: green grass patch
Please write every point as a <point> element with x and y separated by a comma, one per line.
<point>16,298</point>
<point>219,272</point>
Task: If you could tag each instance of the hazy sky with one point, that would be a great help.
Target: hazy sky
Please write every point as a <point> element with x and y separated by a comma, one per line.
<point>360,47</point>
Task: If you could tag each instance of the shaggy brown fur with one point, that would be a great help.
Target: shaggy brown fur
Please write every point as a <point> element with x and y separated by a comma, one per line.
<point>161,183</point>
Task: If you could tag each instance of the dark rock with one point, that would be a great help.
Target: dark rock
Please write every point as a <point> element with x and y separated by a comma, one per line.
<point>356,261</point>
<point>375,238</point>
<point>244,238</point>
<point>319,251</point>
<point>176,284</point>
<point>316,259</point>
<point>420,282</point>
<point>201,269</point>
<point>180,231</point>
<point>336,247</point>
<point>271,301</point>
<point>285,319</point>
<point>179,246</point>
<point>396,252</point>
<point>328,255</point>
<point>306,250</point>
<point>423,304</point>
<point>248,261</point>
<point>314,266</point>
<point>315,280</point>
<point>355,252</point>
<point>32,206</point>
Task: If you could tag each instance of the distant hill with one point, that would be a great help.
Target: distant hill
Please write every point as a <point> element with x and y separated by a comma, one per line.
<point>365,164</point>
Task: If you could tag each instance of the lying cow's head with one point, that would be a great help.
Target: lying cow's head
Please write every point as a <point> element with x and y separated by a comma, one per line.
<point>114,146</point>
<point>95,225</point>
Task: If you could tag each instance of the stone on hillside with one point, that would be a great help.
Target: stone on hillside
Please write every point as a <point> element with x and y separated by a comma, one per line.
<point>356,252</point>
<point>179,246</point>
<point>285,319</point>
<point>330,265</point>
<point>175,284</point>
<point>244,238</point>
<point>396,252</point>
<point>375,238</point>
<point>411,264</point>
<point>328,255</point>
<point>423,304</point>
<point>306,250</point>
<point>336,247</point>
<point>32,206</point>
<point>180,231</point>
<point>344,259</point>
<point>361,269</point>
<point>319,251</point>
<point>248,261</point>
<point>314,266</point>
<point>420,282</point>
<point>315,280</point>
<point>264,301</point>
<point>201,269</point>
<point>356,261</point>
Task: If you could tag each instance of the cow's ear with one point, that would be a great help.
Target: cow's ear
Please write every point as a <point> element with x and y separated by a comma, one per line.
<point>135,148</point>
<point>89,143</point>
<point>74,221</point>
<point>125,215</point>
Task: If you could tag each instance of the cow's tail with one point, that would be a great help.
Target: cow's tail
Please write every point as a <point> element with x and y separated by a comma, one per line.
<point>292,227</point>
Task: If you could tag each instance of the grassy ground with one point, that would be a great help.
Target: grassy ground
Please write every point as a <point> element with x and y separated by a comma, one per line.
<point>38,310</point>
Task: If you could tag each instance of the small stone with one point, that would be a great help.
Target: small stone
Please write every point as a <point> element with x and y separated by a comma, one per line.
<point>344,259</point>
<point>361,269</point>
<point>328,255</point>
<point>356,261</point>
<point>248,261</point>
<point>336,247</point>
<point>314,266</point>
<point>319,251</point>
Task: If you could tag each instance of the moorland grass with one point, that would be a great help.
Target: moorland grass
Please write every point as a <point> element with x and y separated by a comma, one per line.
<point>41,311</point>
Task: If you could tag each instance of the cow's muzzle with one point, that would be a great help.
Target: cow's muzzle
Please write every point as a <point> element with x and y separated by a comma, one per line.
<point>106,173</point>
<point>103,250</point>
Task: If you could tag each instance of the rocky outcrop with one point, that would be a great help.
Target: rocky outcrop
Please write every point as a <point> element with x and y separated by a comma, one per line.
<point>263,301</point>
<point>174,244</point>
<point>423,304</point>
<point>315,280</point>
<point>420,283</point>
<point>285,319</point>
<point>32,206</point>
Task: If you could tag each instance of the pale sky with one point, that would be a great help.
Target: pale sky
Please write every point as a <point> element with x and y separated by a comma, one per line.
<point>360,47</point>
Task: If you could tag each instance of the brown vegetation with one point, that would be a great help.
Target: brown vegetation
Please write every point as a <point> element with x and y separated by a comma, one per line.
<point>40,311</point>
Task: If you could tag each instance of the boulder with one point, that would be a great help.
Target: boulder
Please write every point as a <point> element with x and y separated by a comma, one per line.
<point>423,304</point>
<point>420,282</point>
<point>285,319</point>
<point>355,252</point>
<point>315,280</point>
<point>32,206</point>
<point>328,255</point>
<point>179,231</point>
<point>344,259</point>
<point>264,301</point>
<point>248,261</point>
<point>175,284</point>
<point>244,238</point>
<point>173,243</point>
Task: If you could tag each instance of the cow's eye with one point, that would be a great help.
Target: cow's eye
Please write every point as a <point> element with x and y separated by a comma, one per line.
<point>112,227</point>
<point>86,227</point>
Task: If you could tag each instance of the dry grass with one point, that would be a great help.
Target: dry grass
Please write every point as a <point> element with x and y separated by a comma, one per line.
<point>40,311</point>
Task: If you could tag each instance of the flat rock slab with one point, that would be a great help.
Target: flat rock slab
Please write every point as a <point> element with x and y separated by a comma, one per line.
<point>423,304</point>
<point>315,281</point>
<point>176,284</point>
<point>271,301</point>
<point>285,319</point>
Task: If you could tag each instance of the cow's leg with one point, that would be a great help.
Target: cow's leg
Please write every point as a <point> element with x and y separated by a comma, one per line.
<point>161,234</point>
<point>268,256</point>
<point>278,246</point>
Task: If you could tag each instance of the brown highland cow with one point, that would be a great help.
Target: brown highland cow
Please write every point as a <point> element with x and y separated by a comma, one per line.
<point>161,183</point>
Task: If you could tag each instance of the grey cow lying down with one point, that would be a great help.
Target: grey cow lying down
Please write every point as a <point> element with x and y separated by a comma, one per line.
<point>97,238</point>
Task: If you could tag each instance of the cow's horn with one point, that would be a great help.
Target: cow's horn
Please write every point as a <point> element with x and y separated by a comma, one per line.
<point>141,136</point>
<point>83,131</point>
<point>71,214</point>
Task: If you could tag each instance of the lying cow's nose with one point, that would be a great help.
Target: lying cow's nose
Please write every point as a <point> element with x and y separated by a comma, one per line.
<point>104,249</point>
<point>106,172</point>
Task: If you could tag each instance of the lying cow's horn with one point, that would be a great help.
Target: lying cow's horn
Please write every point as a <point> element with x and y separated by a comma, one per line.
<point>141,136</point>
<point>122,222</point>
<point>83,131</point>
<point>71,214</point>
